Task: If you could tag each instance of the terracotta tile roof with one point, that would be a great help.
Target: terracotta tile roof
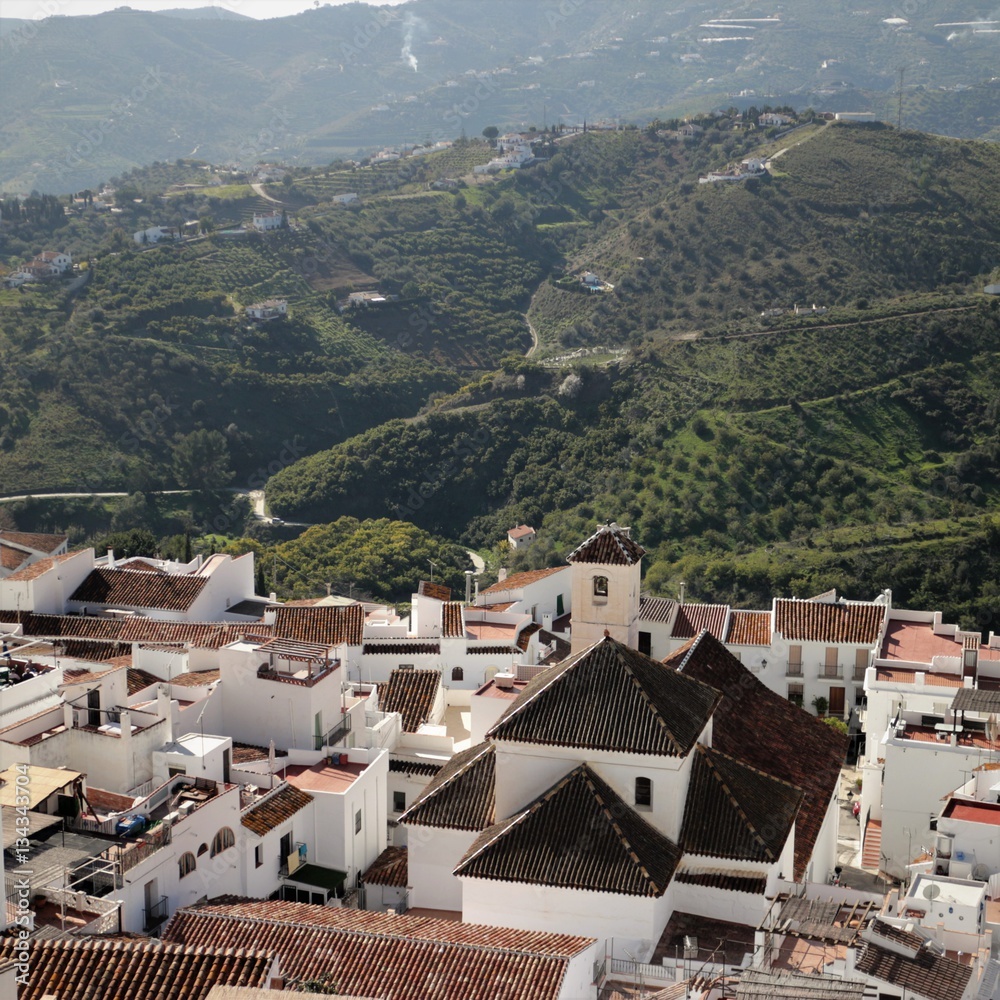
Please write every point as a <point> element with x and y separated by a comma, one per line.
<point>436,590</point>
<point>490,650</point>
<point>656,609</point>
<point>609,545</point>
<point>526,633</point>
<point>139,679</point>
<point>12,558</point>
<point>134,969</point>
<point>263,817</point>
<point>389,868</point>
<point>735,811</point>
<point>452,626</point>
<point>76,675</point>
<point>517,581</point>
<point>541,844</point>
<point>93,649</point>
<point>329,626</point>
<point>36,569</point>
<point>897,676</point>
<point>782,984</point>
<point>733,881</point>
<point>414,766</point>
<point>412,693</point>
<point>401,648</point>
<point>247,753</point>
<point>520,531</point>
<point>462,795</point>
<point>389,957</point>
<point>928,974</point>
<point>812,621</point>
<point>610,697</point>
<point>132,589</point>
<point>108,802</point>
<point>762,729</point>
<point>195,678</point>
<point>33,540</point>
<point>749,628</point>
<point>692,618</point>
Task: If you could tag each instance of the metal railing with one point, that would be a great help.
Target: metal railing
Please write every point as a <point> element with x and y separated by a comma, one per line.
<point>155,915</point>
<point>335,735</point>
<point>793,669</point>
<point>859,672</point>
<point>831,671</point>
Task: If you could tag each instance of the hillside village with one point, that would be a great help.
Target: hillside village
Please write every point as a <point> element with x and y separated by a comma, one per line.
<point>557,787</point>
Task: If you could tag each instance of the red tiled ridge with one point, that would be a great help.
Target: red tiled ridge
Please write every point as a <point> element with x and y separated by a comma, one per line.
<point>517,581</point>
<point>132,589</point>
<point>813,621</point>
<point>389,869</point>
<point>525,636</point>
<point>328,626</point>
<point>692,618</point>
<point>263,817</point>
<point>872,856</point>
<point>452,625</point>
<point>541,844</point>
<point>436,590</point>
<point>412,693</point>
<point>390,957</point>
<point>610,545</point>
<point>731,880</point>
<point>462,795</point>
<point>749,628</point>
<point>130,969</point>
<point>760,728</point>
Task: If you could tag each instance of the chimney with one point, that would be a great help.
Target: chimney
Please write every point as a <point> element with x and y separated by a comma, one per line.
<point>111,558</point>
<point>468,586</point>
<point>547,622</point>
<point>502,575</point>
<point>67,715</point>
<point>680,596</point>
<point>504,681</point>
<point>165,710</point>
<point>273,597</point>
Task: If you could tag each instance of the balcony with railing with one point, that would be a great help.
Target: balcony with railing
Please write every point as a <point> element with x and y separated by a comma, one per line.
<point>794,668</point>
<point>859,672</point>
<point>155,914</point>
<point>335,735</point>
<point>831,672</point>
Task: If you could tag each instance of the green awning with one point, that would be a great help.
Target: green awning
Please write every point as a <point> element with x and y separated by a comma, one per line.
<point>315,875</point>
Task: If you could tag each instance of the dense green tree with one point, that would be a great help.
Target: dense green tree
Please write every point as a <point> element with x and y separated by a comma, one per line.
<point>202,461</point>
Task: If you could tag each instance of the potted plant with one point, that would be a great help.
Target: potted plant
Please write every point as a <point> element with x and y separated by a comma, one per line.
<point>820,704</point>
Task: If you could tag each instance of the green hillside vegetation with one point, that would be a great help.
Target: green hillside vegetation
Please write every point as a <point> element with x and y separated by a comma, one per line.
<point>333,82</point>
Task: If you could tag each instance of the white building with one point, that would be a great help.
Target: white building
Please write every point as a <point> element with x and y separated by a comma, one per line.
<point>348,198</point>
<point>155,234</point>
<point>266,221</point>
<point>521,536</point>
<point>267,310</point>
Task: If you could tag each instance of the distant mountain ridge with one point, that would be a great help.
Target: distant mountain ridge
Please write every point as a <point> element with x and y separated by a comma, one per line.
<point>331,81</point>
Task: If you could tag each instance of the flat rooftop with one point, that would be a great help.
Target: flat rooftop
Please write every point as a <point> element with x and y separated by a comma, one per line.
<point>491,630</point>
<point>323,777</point>
<point>490,690</point>
<point>973,812</point>
<point>917,642</point>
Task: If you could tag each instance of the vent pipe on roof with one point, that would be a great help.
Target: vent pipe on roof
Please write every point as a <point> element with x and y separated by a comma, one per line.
<point>468,585</point>
<point>680,596</point>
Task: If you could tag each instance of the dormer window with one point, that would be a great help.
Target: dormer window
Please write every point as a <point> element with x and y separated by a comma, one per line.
<point>600,586</point>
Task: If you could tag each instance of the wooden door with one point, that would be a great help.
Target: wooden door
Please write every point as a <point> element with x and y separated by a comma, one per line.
<point>837,702</point>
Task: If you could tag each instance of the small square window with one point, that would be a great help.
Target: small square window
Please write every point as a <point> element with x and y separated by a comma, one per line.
<point>600,586</point>
<point>398,801</point>
<point>357,822</point>
<point>643,792</point>
<point>258,856</point>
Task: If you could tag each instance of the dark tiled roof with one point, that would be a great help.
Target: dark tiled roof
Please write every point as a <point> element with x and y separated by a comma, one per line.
<point>526,633</point>
<point>93,649</point>
<point>195,678</point>
<point>760,984</point>
<point>436,590</point>
<point>462,795</point>
<point>452,626</point>
<point>12,558</point>
<point>36,569</point>
<point>248,753</point>
<point>411,693</point>
<point>401,648</point>
<point>491,650</point>
<point>578,835</point>
<point>414,766</point>
<point>33,540</point>
<point>610,546</point>
<point>389,957</point>
<point>928,974</point>
<point>692,618</point>
<point>273,811</point>
<point>735,811</point>
<point>328,626</point>
<point>749,628</point>
<point>976,700</point>
<point>656,609</point>
<point>762,729</point>
<point>134,969</point>
<point>518,581</point>
<point>814,621</point>
<point>389,869</point>
<point>733,881</point>
<point>610,697</point>
<point>139,679</point>
<point>132,589</point>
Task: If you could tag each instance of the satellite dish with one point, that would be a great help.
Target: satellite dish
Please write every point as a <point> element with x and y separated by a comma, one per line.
<point>932,891</point>
<point>981,873</point>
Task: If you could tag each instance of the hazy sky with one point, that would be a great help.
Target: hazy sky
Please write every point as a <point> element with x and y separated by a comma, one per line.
<point>252,8</point>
